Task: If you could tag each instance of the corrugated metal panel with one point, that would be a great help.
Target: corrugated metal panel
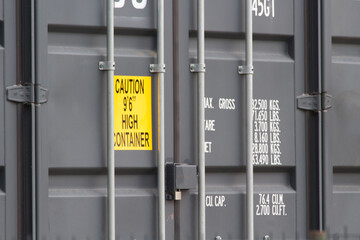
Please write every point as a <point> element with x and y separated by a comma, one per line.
<point>71,165</point>
<point>343,118</point>
<point>8,130</point>
<point>278,79</point>
<point>74,121</point>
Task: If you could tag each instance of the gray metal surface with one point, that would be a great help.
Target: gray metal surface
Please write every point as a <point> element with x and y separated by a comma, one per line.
<point>8,128</point>
<point>69,131</point>
<point>278,78</point>
<point>342,120</point>
<point>73,163</point>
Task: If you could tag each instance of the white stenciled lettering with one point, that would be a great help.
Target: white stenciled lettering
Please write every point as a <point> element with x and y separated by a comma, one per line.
<point>274,127</point>
<point>274,105</point>
<point>137,4</point>
<point>278,205</point>
<point>264,8</point>
<point>226,103</point>
<point>274,116</point>
<point>259,104</point>
<point>263,207</point>
<point>271,205</point>
<point>208,102</point>
<point>275,137</point>
<point>267,132</point>
<point>209,201</point>
<point>210,125</point>
<point>208,147</point>
<point>261,115</point>
<point>215,201</point>
<point>275,148</point>
<point>119,3</point>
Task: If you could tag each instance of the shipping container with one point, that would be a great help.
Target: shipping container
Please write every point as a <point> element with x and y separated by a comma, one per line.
<point>169,119</point>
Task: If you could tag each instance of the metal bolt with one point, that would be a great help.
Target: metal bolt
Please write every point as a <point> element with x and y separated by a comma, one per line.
<point>266,237</point>
<point>218,238</point>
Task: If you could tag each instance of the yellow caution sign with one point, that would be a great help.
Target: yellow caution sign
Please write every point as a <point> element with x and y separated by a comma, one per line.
<point>132,113</point>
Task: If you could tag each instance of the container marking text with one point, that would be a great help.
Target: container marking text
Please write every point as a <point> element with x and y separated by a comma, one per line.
<point>266,136</point>
<point>271,205</point>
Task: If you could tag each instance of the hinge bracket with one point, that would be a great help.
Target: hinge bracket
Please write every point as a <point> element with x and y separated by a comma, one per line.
<point>157,68</point>
<point>246,70</point>
<point>106,66</point>
<point>314,102</point>
<point>196,68</point>
<point>27,94</point>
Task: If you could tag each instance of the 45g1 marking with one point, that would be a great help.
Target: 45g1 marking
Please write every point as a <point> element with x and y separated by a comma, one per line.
<point>136,3</point>
<point>264,7</point>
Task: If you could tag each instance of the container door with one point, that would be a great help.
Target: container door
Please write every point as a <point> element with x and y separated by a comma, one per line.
<point>279,141</point>
<point>341,126</point>
<point>71,40</point>
<point>10,134</point>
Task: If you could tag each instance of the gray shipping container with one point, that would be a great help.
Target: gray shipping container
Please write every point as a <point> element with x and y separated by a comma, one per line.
<point>53,141</point>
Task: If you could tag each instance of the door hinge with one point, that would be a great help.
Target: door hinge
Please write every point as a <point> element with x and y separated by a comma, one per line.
<point>314,102</point>
<point>27,94</point>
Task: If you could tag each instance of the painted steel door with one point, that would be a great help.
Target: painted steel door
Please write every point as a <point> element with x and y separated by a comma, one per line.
<point>10,134</point>
<point>72,188</point>
<point>279,147</point>
<point>72,163</point>
<point>341,126</point>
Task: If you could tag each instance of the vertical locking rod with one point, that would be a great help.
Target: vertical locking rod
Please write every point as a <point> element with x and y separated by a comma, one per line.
<point>110,121</point>
<point>249,122</point>
<point>201,109</point>
<point>320,130</point>
<point>34,133</point>
<point>161,119</point>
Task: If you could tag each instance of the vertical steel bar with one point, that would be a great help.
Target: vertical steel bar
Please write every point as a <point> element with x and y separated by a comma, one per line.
<point>201,109</point>
<point>320,116</point>
<point>110,121</point>
<point>249,122</point>
<point>33,126</point>
<point>327,165</point>
<point>161,119</point>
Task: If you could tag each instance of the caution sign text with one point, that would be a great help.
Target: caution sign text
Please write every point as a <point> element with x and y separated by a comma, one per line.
<point>132,113</point>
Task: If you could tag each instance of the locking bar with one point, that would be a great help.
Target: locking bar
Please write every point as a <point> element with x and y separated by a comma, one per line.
<point>109,67</point>
<point>159,68</point>
<point>199,68</point>
<point>248,71</point>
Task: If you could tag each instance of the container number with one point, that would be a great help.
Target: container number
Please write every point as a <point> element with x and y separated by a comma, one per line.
<point>264,7</point>
<point>138,4</point>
